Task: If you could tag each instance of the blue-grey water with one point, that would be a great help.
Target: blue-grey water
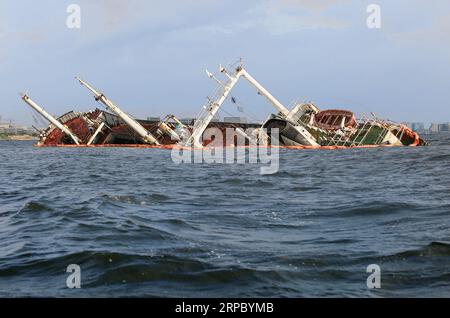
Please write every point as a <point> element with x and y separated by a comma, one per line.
<point>137,224</point>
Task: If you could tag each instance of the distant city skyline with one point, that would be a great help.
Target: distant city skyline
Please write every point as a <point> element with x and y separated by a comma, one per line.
<point>443,126</point>
<point>150,56</point>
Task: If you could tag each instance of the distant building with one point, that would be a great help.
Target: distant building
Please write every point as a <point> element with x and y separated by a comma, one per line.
<point>439,128</point>
<point>190,120</point>
<point>444,127</point>
<point>240,120</point>
<point>3,125</point>
<point>434,128</point>
<point>187,121</point>
<point>153,118</point>
<point>6,129</point>
<point>10,129</point>
<point>417,127</point>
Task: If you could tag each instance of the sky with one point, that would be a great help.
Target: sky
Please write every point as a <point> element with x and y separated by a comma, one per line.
<point>150,56</point>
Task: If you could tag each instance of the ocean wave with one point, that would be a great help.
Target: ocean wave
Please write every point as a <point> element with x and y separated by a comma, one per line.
<point>372,208</point>
<point>35,206</point>
<point>224,230</point>
<point>434,249</point>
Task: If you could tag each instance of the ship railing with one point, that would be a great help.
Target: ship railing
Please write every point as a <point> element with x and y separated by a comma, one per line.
<point>383,133</point>
<point>365,126</point>
<point>365,122</point>
<point>335,140</point>
<point>401,129</point>
<point>400,133</point>
<point>340,138</point>
<point>293,103</point>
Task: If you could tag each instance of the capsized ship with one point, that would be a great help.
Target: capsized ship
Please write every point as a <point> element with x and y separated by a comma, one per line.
<point>329,128</point>
<point>114,127</point>
<point>303,126</point>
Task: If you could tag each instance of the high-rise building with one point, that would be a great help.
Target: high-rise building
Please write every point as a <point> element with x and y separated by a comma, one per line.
<point>434,128</point>
<point>241,120</point>
<point>417,127</point>
<point>444,127</point>
<point>437,128</point>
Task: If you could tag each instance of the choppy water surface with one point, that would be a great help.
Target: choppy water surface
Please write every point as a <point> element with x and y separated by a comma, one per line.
<point>140,225</point>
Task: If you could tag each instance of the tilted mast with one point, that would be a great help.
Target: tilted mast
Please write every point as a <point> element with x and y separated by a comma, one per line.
<point>146,136</point>
<point>50,118</point>
<point>281,109</point>
<point>202,122</point>
<point>223,91</point>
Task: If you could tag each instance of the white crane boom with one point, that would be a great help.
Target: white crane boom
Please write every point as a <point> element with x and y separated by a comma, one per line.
<point>146,136</point>
<point>283,110</point>
<point>50,118</point>
<point>211,109</point>
<point>213,106</point>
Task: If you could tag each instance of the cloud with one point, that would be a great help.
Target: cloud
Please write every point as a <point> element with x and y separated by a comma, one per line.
<point>27,37</point>
<point>116,11</point>
<point>120,13</point>
<point>113,14</point>
<point>282,22</point>
<point>286,16</point>
<point>279,17</point>
<point>314,5</point>
<point>30,37</point>
<point>14,36</point>
<point>430,35</point>
<point>275,16</point>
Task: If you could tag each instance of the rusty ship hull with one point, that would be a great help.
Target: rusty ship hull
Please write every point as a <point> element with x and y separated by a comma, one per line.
<point>117,133</point>
<point>304,125</point>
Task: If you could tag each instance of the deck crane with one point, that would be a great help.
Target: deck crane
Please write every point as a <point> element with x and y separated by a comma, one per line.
<point>145,135</point>
<point>224,88</point>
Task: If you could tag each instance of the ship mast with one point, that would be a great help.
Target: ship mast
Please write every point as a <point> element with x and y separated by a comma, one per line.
<point>146,136</point>
<point>50,118</point>
<point>222,93</point>
<point>210,110</point>
<point>281,109</point>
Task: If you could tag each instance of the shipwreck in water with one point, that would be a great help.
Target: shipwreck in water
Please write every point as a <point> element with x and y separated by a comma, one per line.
<point>302,126</point>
